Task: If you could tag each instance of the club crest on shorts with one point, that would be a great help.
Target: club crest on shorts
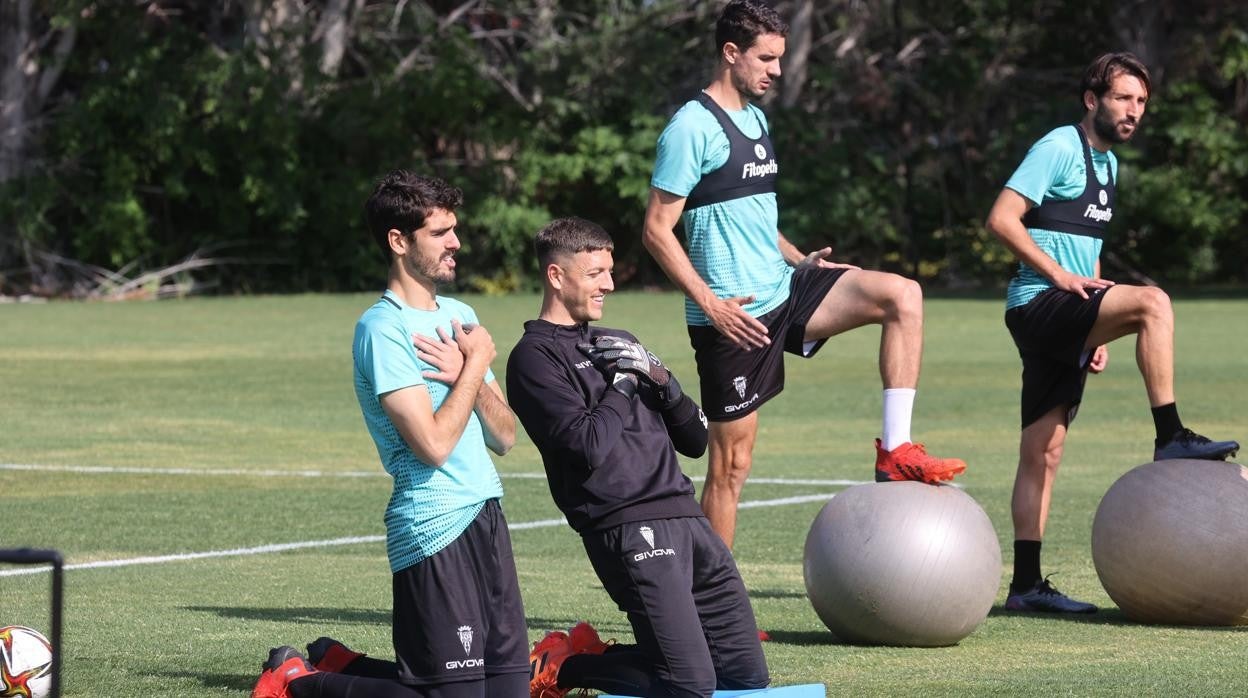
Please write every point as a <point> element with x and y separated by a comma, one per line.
<point>465,637</point>
<point>739,384</point>
<point>648,533</point>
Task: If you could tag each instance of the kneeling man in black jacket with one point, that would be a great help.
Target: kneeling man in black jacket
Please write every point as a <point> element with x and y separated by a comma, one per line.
<point>608,418</point>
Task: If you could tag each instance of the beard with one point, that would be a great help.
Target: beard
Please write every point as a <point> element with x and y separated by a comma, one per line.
<point>1107,129</point>
<point>744,87</point>
<point>430,268</point>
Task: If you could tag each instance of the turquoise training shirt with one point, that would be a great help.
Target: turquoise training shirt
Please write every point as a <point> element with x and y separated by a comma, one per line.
<point>733,245</point>
<point>429,507</point>
<point>1054,169</point>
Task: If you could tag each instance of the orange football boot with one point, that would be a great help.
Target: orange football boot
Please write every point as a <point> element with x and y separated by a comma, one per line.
<point>284,665</point>
<point>910,461</point>
<point>550,652</point>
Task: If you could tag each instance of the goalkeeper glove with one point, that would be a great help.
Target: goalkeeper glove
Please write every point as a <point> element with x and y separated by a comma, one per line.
<point>621,382</point>
<point>621,355</point>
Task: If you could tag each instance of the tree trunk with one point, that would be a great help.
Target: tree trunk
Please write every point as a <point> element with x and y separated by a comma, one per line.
<point>27,79</point>
<point>333,31</point>
<point>1142,27</point>
<point>15,86</point>
<point>271,30</point>
<point>797,53</point>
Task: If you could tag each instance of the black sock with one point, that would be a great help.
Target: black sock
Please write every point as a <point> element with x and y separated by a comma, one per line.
<point>325,684</point>
<point>1166,420</point>
<point>623,672</point>
<point>1026,565</point>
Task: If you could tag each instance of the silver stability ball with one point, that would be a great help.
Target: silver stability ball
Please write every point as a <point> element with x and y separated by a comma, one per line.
<point>902,563</point>
<point>1170,543</point>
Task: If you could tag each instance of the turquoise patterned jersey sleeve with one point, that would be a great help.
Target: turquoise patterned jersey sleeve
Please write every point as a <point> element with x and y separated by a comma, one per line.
<point>1054,169</point>
<point>691,145</point>
<point>733,245</point>
<point>387,359</point>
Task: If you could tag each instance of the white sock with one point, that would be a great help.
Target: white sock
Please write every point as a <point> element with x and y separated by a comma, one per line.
<point>898,405</point>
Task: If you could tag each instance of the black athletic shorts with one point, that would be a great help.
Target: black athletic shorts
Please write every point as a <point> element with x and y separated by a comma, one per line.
<point>458,614</point>
<point>736,382</point>
<point>1051,333</point>
<point>685,600</point>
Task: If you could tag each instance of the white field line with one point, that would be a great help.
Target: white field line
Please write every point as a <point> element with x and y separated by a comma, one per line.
<point>802,499</point>
<point>237,472</point>
<point>333,542</point>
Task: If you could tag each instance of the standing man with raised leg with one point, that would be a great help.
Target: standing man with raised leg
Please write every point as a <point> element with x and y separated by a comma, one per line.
<point>750,294</point>
<point>1052,214</point>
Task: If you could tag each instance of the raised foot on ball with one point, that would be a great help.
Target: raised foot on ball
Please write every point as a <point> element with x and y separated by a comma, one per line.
<point>1188,444</point>
<point>911,461</point>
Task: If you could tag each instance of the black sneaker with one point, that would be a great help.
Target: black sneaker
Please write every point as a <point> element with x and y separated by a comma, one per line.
<point>1043,597</point>
<point>1188,444</point>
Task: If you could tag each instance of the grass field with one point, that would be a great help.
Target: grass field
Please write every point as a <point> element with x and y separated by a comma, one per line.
<point>227,425</point>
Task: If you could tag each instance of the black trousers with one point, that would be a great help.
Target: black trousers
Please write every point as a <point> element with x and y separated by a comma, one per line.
<point>695,629</point>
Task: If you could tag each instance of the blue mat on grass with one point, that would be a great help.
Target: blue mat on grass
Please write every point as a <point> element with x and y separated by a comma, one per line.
<point>807,690</point>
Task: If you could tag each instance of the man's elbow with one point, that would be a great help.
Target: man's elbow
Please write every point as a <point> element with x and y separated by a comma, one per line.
<point>691,447</point>
<point>655,232</point>
<point>995,224</point>
<point>649,238</point>
<point>696,451</point>
<point>437,460</point>
<point>501,446</point>
<point>503,435</point>
<point>432,455</point>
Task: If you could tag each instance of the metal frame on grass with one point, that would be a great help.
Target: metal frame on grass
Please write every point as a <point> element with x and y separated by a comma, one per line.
<point>32,556</point>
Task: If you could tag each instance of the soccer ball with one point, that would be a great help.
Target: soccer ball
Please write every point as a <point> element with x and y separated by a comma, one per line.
<point>25,663</point>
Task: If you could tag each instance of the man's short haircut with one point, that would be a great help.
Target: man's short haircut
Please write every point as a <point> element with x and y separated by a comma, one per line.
<point>1107,66</point>
<point>743,21</point>
<point>402,200</point>
<point>567,236</point>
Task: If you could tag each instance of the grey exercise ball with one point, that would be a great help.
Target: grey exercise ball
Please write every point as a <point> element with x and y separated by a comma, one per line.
<point>902,563</point>
<point>1170,543</point>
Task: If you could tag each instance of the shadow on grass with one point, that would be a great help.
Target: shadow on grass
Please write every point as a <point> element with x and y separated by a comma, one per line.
<point>1111,616</point>
<point>807,638</point>
<point>825,638</point>
<point>298,614</point>
<point>230,682</point>
<point>776,594</point>
<point>605,630</point>
<point>1105,616</point>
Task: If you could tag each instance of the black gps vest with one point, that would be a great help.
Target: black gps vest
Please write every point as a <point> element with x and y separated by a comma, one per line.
<point>750,169</point>
<point>1087,215</point>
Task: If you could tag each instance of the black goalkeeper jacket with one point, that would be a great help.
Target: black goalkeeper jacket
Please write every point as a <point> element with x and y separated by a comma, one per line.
<point>609,459</point>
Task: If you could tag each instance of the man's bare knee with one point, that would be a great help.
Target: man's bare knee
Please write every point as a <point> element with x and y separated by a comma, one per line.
<point>911,300</point>
<point>1156,305</point>
<point>1042,463</point>
<point>732,454</point>
<point>1042,444</point>
<point>1052,457</point>
<point>899,296</point>
<point>735,459</point>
